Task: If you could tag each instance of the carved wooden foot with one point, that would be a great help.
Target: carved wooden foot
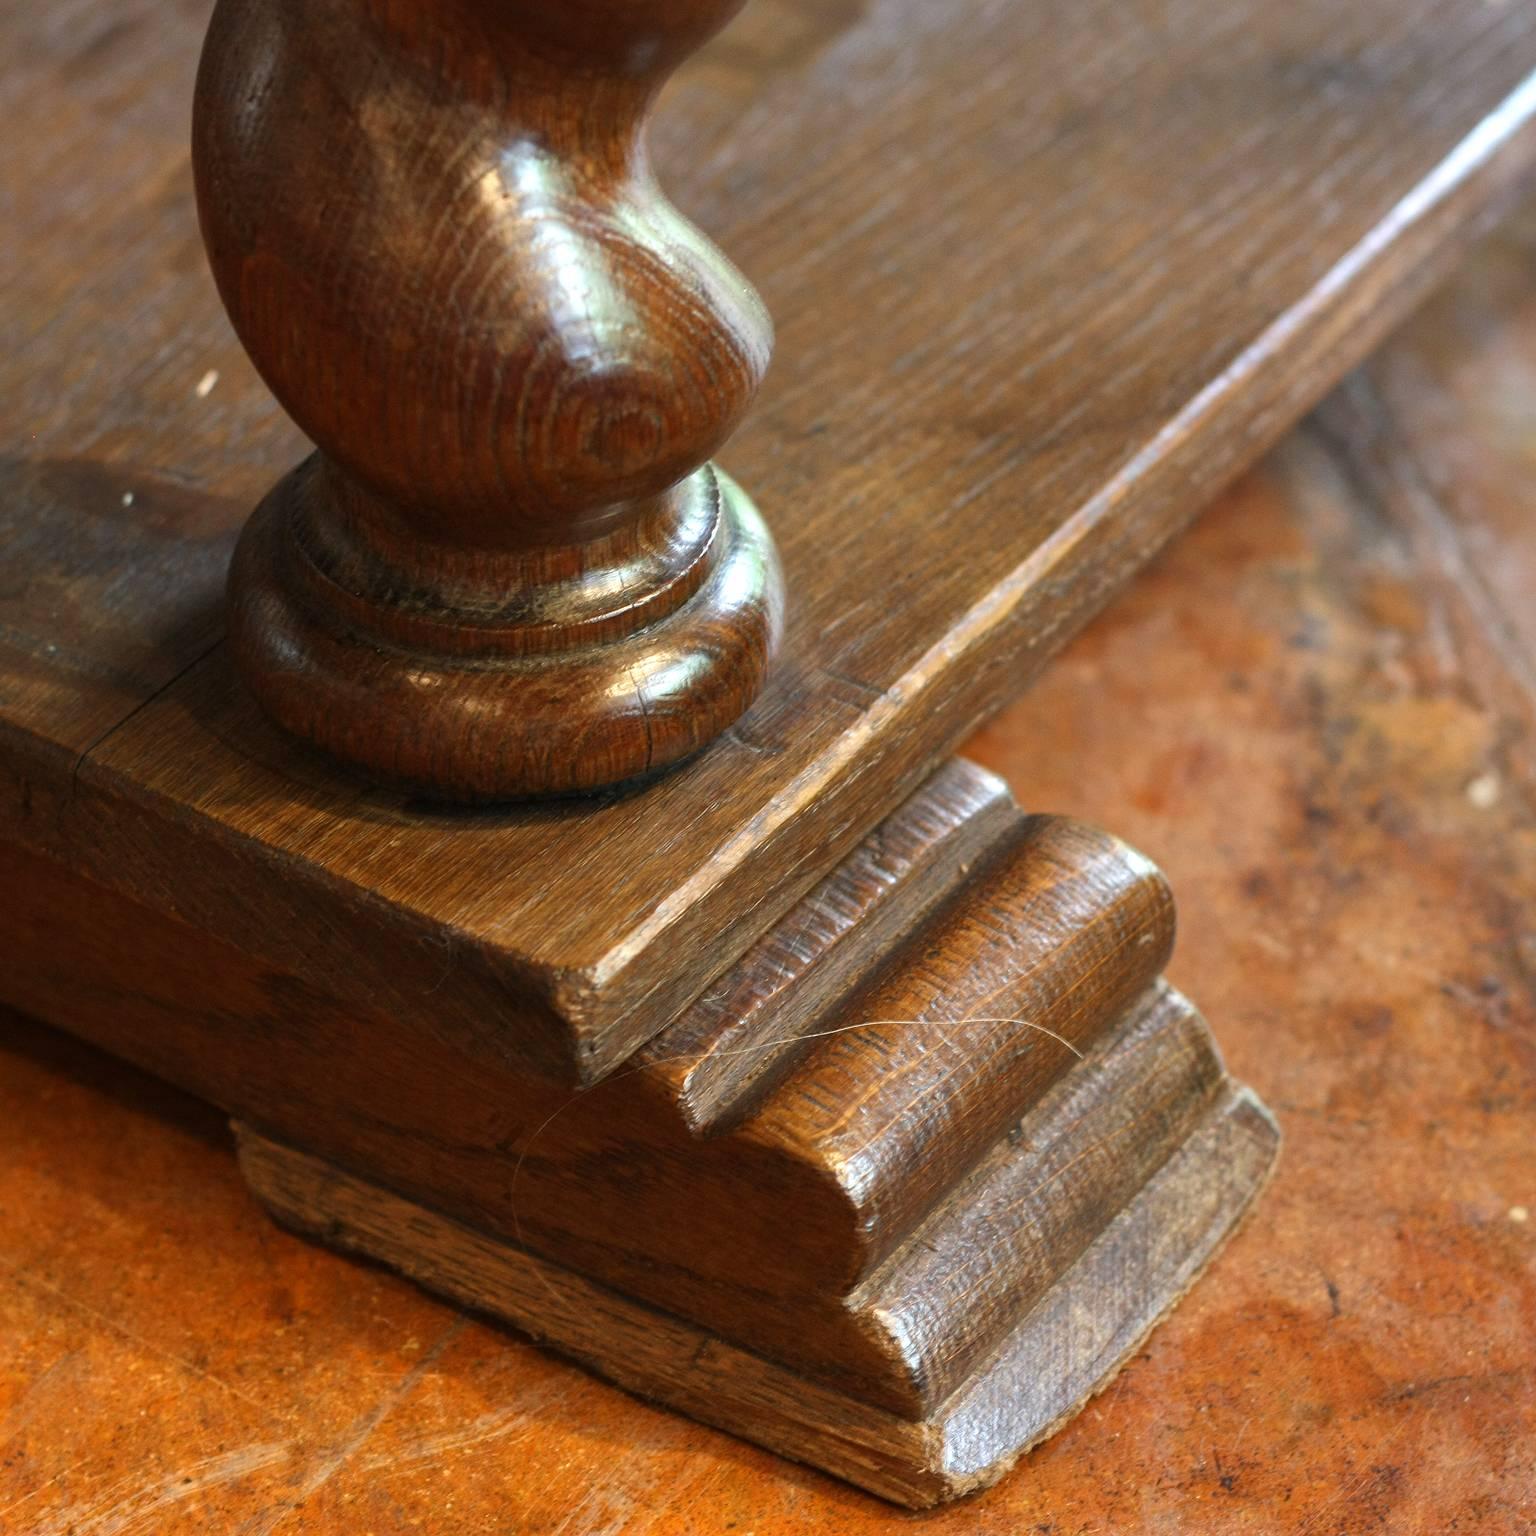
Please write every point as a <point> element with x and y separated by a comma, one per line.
<point>1060,1353</point>
<point>897,1194</point>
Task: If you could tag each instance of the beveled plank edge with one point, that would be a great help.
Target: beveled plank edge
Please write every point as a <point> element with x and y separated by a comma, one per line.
<point>1003,641</point>
<point>602,1008</point>
<point>968,1444</point>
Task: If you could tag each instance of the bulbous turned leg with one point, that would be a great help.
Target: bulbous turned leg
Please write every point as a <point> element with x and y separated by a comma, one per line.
<point>543,682</point>
<point>511,568</point>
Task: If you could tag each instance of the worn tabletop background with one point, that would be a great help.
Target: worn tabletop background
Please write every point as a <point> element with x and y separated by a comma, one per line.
<point>1318,714</point>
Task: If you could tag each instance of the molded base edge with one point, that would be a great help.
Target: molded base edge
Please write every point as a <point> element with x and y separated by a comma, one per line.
<point>1066,1349</point>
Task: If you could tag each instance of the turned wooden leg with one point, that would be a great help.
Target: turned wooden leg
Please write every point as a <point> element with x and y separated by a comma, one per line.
<point>509,569</point>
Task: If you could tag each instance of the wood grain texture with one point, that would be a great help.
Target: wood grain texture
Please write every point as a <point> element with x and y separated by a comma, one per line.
<point>1096,281</point>
<point>509,570</point>
<point>990,470</point>
<point>925,1130</point>
<point>1067,1348</point>
<point>740,1037</point>
<point>1334,769</point>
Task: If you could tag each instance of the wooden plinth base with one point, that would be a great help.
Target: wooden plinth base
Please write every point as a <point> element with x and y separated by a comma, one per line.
<point>1063,1352</point>
<point>894,1193</point>
<point>765,1045</point>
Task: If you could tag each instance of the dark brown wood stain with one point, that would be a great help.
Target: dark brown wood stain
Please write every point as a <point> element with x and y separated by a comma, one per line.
<point>959,481</point>
<point>1360,1356</point>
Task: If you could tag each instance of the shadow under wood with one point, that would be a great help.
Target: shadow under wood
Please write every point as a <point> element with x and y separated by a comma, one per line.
<point>111,586</point>
<point>27,1043</point>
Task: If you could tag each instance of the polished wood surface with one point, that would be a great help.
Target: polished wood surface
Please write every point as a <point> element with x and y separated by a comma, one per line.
<point>972,435</point>
<point>983,483</point>
<point>509,569</point>
<point>916,1173</point>
<point>1010,1389</point>
<point>1336,770</point>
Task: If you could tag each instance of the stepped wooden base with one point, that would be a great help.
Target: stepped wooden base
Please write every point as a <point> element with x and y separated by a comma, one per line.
<point>898,1189</point>
<point>1066,1349</point>
<point>727,1045</point>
